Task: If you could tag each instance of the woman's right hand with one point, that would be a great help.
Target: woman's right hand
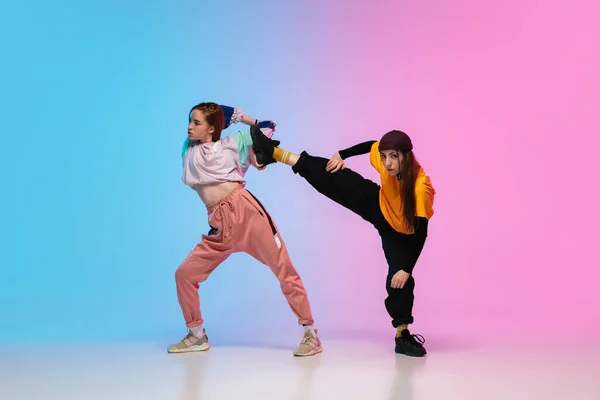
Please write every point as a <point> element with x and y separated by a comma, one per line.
<point>336,163</point>
<point>254,161</point>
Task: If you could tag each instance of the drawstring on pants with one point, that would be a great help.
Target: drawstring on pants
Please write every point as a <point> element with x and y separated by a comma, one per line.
<point>224,216</point>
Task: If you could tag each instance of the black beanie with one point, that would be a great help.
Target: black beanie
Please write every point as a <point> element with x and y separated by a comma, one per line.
<point>395,140</point>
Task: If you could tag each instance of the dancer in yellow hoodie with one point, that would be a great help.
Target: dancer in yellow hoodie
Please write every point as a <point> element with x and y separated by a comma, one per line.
<point>399,208</point>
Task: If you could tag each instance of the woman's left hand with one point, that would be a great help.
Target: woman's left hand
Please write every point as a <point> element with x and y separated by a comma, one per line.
<point>272,122</point>
<point>335,163</point>
<point>399,279</point>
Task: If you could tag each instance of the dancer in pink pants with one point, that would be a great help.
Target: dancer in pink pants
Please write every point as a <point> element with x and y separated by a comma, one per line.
<point>215,169</point>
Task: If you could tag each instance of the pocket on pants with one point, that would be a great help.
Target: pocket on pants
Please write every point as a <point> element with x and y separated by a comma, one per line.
<point>257,205</point>
<point>215,231</point>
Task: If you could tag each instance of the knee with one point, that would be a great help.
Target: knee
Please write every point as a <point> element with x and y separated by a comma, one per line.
<point>406,290</point>
<point>190,273</point>
<point>182,274</point>
<point>290,280</point>
<point>179,274</point>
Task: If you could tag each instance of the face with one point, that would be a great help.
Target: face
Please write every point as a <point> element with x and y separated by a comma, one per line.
<point>392,160</point>
<point>199,129</point>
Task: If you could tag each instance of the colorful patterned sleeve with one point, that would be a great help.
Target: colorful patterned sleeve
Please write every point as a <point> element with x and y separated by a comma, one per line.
<point>232,115</point>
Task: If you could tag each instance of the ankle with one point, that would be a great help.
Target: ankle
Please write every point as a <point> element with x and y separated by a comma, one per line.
<point>293,159</point>
<point>284,156</point>
<point>311,329</point>
<point>400,329</point>
<point>197,331</point>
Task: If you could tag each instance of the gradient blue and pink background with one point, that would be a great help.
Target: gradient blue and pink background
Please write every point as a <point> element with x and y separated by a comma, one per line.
<point>499,98</point>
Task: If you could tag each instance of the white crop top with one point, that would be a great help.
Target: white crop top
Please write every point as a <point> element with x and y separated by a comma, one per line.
<point>226,160</point>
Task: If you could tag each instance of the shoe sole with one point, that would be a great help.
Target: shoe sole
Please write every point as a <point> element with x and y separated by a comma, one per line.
<point>202,347</point>
<point>311,353</point>
<point>410,355</point>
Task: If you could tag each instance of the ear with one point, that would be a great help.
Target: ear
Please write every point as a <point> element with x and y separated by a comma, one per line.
<point>211,129</point>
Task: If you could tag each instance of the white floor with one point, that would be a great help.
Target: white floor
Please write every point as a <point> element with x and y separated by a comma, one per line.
<point>364,370</point>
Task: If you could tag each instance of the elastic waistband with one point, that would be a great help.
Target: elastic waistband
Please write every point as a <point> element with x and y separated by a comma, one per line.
<point>233,194</point>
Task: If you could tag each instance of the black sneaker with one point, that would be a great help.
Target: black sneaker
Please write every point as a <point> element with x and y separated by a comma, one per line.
<point>263,146</point>
<point>411,345</point>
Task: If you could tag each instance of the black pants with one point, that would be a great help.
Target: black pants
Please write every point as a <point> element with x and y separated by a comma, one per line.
<point>361,196</point>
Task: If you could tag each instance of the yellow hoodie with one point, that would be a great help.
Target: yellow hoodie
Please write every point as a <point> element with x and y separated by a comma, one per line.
<point>389,197</point>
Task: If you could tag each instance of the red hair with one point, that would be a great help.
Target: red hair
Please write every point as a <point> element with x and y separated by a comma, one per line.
<point>214,117</point>
<point>408,176</point>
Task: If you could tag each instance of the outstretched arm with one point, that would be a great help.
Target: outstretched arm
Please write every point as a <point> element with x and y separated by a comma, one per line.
<point>337,161</point>
<point>361,148</point>
<point>236,115</point>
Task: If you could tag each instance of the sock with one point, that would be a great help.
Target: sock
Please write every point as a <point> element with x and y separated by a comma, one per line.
<point>400,328</point>
<point>197,331</point>
<point>281,155</point>
<point>310,328</point>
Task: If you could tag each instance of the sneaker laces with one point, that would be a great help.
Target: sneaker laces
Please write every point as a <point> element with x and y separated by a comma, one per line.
<point>416,338</point>
<point>307,337</point>
<point>188,336</point>
<point>191,334</point>
<point>419,338</point>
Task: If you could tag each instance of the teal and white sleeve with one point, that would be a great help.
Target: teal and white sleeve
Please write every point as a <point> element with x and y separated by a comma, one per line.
<point>184,149</point>
<point>244,143</point>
